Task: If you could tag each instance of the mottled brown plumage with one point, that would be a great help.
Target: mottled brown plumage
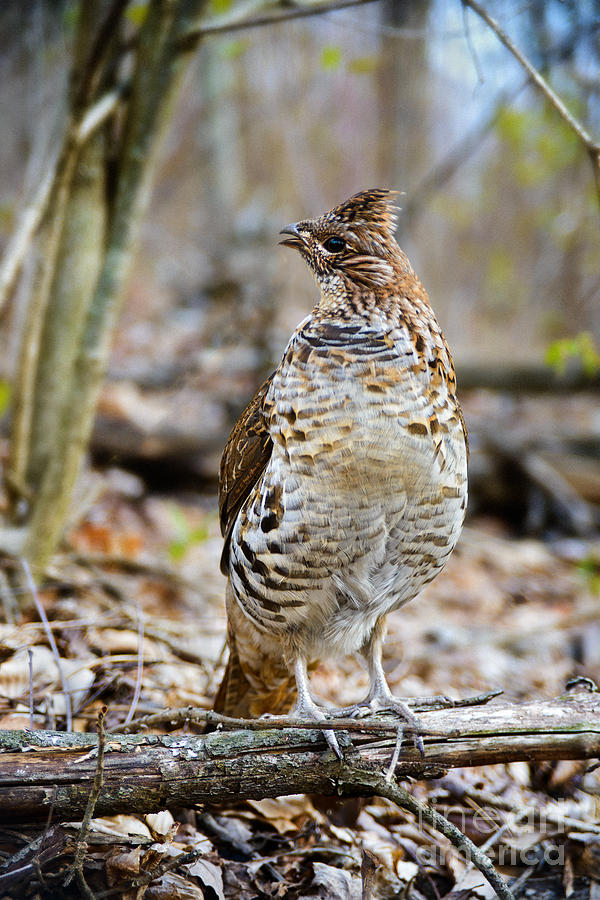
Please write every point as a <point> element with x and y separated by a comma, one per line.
<point>343,484</point>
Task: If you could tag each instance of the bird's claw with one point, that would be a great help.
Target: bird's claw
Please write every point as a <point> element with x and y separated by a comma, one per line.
<point>418,744</point>
<point>385,704</point>
<point>409,718</point>
<point>312,711</point>
<point>332,742</point>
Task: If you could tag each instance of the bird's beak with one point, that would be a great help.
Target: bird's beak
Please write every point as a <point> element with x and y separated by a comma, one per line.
<point>295,238</point>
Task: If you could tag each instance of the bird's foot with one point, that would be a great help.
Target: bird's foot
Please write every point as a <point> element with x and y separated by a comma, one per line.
<point>382,701</point>
<point>308,709</point>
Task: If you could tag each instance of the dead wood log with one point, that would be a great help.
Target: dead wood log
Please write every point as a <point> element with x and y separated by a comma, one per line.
<point>526,379</point>
<point>40,770</point>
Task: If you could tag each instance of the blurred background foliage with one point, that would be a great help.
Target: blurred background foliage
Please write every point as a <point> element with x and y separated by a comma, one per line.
<point>278,122</point>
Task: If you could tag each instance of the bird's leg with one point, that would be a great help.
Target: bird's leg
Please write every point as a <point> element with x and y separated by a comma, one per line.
<point>305,706</point>
<point>380,696</point>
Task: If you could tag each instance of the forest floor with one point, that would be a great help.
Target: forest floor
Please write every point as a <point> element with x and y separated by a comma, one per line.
<point>135,605</point>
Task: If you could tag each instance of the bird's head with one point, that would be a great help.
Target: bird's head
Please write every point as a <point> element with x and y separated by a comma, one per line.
<point>354,241</point>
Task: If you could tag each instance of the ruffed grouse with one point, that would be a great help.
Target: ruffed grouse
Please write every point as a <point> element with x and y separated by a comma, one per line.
<point>343,484</point>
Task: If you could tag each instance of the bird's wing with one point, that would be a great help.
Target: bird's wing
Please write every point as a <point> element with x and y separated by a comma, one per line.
<point>244,459</point>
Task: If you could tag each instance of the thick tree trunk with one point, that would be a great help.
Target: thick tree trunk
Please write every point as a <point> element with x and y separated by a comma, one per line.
<point>44,770</point>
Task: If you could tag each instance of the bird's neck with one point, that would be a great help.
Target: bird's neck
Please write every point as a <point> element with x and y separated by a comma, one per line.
<point>401,299</point>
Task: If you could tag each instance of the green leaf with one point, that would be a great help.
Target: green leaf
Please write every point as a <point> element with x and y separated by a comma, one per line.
<point>590,358</point>
<point>5,393</point>
<point>363,65</point>
<point>541,142</point>
<point>581,348</point>
<point>219,7</point>
<point>136,13</point>
<point>186,536</point>
<point>331,57</point>
<point>234,49</point>
<point>589,570</point>
<point>512,125</point>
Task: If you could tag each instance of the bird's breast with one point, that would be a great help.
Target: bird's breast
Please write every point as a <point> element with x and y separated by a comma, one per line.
<point>363,410</point>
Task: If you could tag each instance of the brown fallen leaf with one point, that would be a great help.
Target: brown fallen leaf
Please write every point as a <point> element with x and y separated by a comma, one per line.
<point>285,814</point>
<point>123,866</point>
<point>172,886</point>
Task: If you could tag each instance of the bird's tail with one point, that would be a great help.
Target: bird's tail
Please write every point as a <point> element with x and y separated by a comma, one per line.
<point>257,680</point>
<point>235,689</point>
<point>244,698</point>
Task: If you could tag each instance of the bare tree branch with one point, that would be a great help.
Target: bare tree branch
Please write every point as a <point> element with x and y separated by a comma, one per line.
<point>286,13</point>
<point>158,71</point>
<point>19,244</point>
<point>58,190</point>
<point>592,147</point>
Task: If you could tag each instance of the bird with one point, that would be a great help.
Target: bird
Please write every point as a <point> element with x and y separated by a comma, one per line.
<point>343,484</point>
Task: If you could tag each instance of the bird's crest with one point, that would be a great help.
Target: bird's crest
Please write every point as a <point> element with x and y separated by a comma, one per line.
<point>374,209</point>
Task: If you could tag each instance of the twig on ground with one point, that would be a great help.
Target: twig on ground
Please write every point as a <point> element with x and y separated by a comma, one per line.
<point>36,859</point>
<point>31,709</point>
<point>42,614</point>
<point>16,864</point>
<point>493,839</point>
<point>551,816</point>
<point>518,885</point>
<point>139,670</point>
<point>76,868</point>
<point>134,566</point>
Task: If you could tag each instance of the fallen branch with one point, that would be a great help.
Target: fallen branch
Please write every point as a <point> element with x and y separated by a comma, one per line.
<point>193,715</point>
<point>430,816</point>
<point>149,772</point>
<point>530,378</point>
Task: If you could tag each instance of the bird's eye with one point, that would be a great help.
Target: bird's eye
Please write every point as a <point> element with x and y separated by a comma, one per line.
<point>334,244</point>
